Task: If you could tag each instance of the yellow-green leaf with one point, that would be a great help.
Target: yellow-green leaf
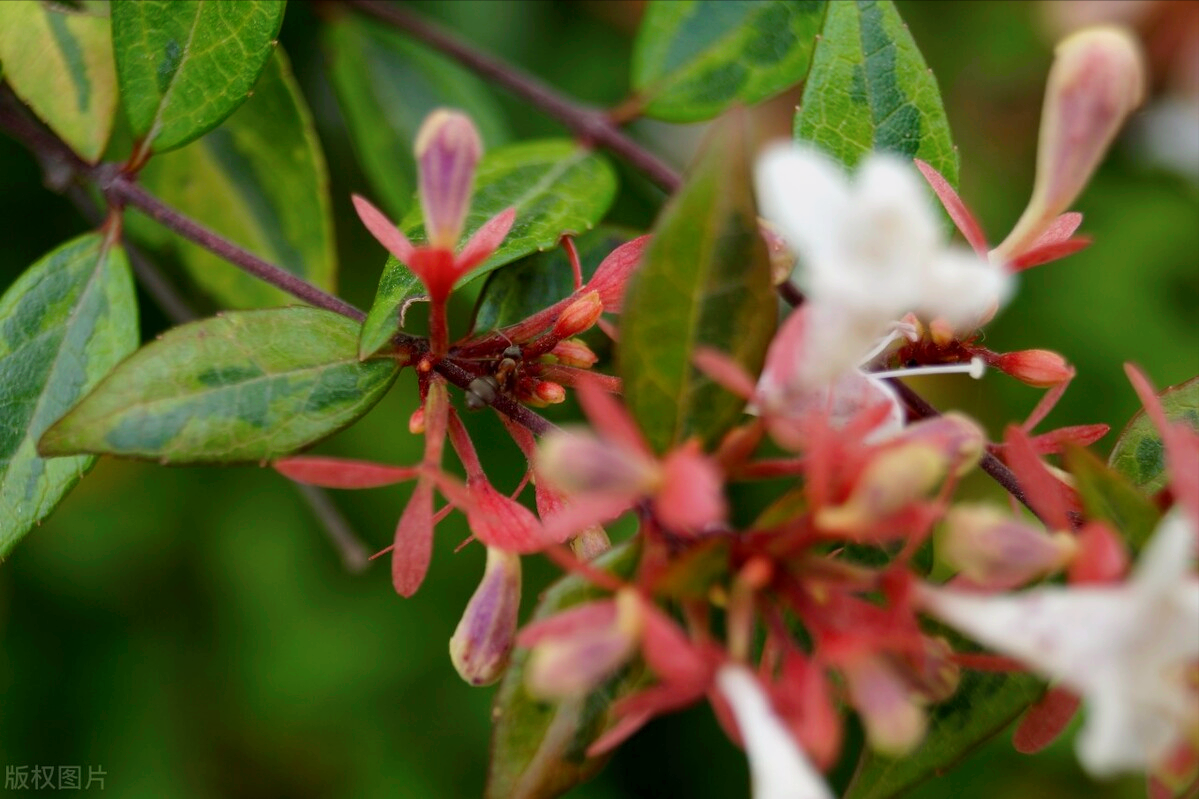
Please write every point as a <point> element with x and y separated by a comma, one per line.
<point>243,386</point>
<point>59,62</point>
<point>869,89</point>
<point>259,180</point>
<point>704,280</point>
<point>64,325</point>
<point>185,65</point>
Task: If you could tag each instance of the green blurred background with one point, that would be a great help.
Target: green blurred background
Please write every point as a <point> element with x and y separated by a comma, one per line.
<point>192,632</point>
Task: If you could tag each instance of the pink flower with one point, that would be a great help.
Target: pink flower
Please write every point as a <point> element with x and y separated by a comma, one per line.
<point>447,151</point>
<point>608,474</point>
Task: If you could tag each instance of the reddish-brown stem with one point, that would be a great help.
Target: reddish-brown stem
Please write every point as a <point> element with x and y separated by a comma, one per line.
<point>592,125</point>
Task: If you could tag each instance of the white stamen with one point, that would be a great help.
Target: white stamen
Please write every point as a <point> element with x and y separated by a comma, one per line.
<point>976,369</point>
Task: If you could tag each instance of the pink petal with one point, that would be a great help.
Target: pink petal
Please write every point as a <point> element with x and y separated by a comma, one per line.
<point>585,510</point>
<point>1081,435</point>
<point>384,230</point>
<point>671,654</point>
<point>612,275</point>
<point>691,497</point>
<point>1042,490</point>
<point>610,418</point>
<point>1059,229</point>
<point>1045,253</point>
<point>576,620</point>
<point>342,472</point>
<point>501,522</point>
<point>413,548</point>
<point>724,370</point>
<point>1045,721</point>
<point>486,240</point>
<point>956,209</point>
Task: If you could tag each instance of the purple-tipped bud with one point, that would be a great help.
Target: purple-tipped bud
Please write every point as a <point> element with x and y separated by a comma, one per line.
<point>447,150</point>
<point>1097,79</point>
<point>485,635</point>
<point>991,547</point>
<point>573,665</point>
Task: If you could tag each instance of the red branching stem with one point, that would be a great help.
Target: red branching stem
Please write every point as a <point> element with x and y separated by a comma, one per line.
<point>592,125</point>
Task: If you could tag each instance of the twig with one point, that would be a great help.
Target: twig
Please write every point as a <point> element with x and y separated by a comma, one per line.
<point>352,551</point>
<point>592,125</point>
<point>119,187</point>
<point>923,409</point>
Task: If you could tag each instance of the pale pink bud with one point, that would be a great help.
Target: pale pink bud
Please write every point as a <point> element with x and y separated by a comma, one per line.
<point>894,721</point>
<point>1040,368</point>
<point>957,437</point>
<point>573,665</point>
<point>580,463</point>
<point>483,640</point>
<point>1097,79</point>
<point>991,547</point>
<point>580,315</point>
<point>573,352</point>
<point>893,480</point>
<point>447,150</point>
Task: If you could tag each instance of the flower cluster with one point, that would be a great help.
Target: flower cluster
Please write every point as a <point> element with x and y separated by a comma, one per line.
<point>822,603</point>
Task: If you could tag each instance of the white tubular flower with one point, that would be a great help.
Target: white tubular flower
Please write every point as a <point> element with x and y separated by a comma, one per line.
<point>777,767</point>
<point>870,251</point>
<point>1128,649</point>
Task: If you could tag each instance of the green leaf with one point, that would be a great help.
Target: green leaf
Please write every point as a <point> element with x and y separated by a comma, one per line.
<point>243,386</point>
<point>538,749</point>
<point>984,704</point>
<point>59,62</point>
<point>869,89</point>
<point>537,281</point>
<point>704,280</point>
<point>694,59</point>
<point>386,85</point>
<point>64,324</point>
<point>556,186</point>
<point>259,180</point>
<point>185,66</point>
<point>1139,454</point>
<point>1109,496</point>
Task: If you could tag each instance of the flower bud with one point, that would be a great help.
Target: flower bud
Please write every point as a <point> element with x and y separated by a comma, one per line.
<point>416,422</point>
<point>1097,79</point>
<point>447,150</point>
<point>579,463</point>
<point>1102,556</point>
<point>955,436</point>
<point>590,544</point>
<point>991,547</point>
<point>483,640</point>
<point>782,259</point>
<point>548,392</point>
<point>931,674</point>
<point>895,722</point>
<point>893,480</point>
<point>572,665</point>
<point>580,315</point>
<point>573,352</point>
<point>690,496</point>
<point>1039,368</point>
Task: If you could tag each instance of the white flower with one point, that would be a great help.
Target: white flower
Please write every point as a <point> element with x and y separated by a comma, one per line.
<point>869,251</point>
<point>1128,649</point>
<point>777,767</point>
